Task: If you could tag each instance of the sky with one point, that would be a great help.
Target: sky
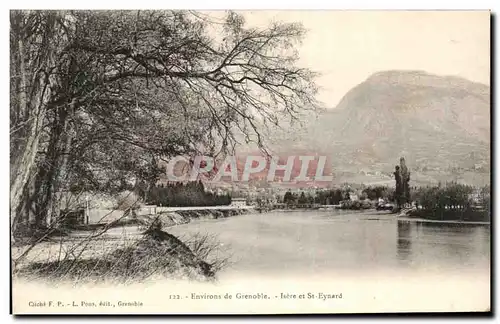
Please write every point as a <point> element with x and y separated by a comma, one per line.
<point>346,47</point>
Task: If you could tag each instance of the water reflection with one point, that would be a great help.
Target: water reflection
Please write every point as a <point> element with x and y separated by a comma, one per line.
<point>452,228</point>
<point>465,246</point>
<point>404,241</point>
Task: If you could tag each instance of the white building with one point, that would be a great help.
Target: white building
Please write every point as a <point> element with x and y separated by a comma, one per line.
<point>353,197</point>
<point>239,202</point>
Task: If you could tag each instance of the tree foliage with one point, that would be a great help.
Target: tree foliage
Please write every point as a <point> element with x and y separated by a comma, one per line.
<point>453,201</point>
<point>180,194</point>
<point>452,195</point>
<point>98,98</point>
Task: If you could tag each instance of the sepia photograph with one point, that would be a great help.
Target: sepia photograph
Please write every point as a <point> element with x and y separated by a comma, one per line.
<point>250,161</point>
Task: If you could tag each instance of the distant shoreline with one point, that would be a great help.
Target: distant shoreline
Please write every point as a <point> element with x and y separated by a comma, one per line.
<point>423,220</point>
<point>197,208</point>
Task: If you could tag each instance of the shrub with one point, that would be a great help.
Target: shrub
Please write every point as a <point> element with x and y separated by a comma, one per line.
<point>356,204</point>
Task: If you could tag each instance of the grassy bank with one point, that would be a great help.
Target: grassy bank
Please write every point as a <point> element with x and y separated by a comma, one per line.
<point>465,215</point>
<point>134,248</point>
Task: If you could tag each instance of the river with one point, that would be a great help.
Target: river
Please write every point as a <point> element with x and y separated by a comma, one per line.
<point>288,244</point>
<point>314,262</point>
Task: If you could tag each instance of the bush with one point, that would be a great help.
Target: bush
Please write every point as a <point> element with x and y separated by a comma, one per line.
<point>356,204</point>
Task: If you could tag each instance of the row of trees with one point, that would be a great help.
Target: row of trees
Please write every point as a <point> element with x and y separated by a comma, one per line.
<point>432,199</point>
<point>101,97</point>
<point>452,201</point>
<point>294,198</point>
<point>335,196</point>
<point>453,195</point>
<point>180,194</point>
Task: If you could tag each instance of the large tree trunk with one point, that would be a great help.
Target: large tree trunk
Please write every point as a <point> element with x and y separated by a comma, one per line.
<point>25,166</point>
<point>60,186</point>
<point>51,179</point>
<point>32,96</point>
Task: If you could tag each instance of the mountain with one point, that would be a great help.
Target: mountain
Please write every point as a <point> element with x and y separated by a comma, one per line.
<point>440,124</point>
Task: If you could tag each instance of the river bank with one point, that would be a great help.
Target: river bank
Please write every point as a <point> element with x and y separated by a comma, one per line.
<point>169,216</point>
<point>434,221</point>
<point>96,252</point>
<point>173,216</point>
<point>447,216</point>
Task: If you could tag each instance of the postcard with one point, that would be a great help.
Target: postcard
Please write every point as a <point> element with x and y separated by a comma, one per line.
<point>250,162</point>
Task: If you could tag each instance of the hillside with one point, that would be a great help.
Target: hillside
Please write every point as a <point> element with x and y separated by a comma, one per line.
<point>440,124</point>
